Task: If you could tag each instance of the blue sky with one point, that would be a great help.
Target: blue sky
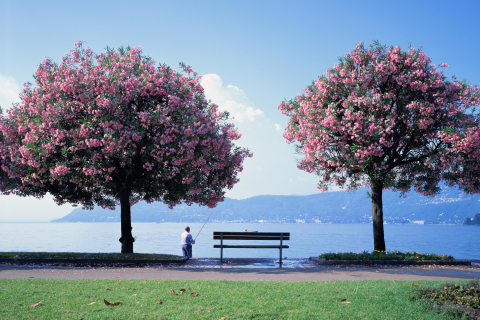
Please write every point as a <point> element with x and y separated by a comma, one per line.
<point>252,56</point>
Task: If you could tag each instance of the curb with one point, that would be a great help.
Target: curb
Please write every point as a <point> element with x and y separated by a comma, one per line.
<point>92,262</point>
<point>324,262</point>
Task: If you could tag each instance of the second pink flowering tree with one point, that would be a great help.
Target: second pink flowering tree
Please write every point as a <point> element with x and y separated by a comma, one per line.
<point>112,128</point>
<point>387,119</point>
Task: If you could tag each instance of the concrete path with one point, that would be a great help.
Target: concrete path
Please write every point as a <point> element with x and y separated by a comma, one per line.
<point>297,272</point>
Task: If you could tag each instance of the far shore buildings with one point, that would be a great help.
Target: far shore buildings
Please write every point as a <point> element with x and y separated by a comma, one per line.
<point>418,221</point>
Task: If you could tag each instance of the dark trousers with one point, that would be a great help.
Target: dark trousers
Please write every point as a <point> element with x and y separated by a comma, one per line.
<point>187,250</point>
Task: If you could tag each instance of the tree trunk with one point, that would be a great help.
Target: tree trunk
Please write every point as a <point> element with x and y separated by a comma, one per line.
<point>377,218</point>
<point>126,221</point>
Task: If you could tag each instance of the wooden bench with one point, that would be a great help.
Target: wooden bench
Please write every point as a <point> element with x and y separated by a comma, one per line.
<point>276,236</point>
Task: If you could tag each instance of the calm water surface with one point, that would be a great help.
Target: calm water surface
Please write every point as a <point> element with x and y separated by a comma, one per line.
<point>307,240</point>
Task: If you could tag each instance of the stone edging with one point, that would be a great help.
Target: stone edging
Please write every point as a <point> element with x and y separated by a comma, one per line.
<point>91,262</point>
<point>324,262</point>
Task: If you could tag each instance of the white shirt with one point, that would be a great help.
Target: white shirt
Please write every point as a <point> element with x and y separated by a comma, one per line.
<point>187,238</point>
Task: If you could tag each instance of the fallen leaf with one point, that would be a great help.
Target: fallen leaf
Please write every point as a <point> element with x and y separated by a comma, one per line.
<point>109,289</point>
<point>159,302</point>
<point>111,304</point>
<point>182,291</point>
<point>91,303</point>
<point>415,285</point>
<point>222,318</point>
<point>173,291</point>
<point>343,300</point>
<point>36,304</point>
<point>134,294</point>
<point>194,294</point>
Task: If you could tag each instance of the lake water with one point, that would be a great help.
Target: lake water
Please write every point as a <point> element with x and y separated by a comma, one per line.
<point>307,240</point>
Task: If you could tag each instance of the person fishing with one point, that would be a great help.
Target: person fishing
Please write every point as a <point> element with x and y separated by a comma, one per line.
<point>187,242</point>
<point>187,239</point>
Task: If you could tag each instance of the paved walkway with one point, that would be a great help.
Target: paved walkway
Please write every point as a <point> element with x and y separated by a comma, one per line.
<point>257,270</point>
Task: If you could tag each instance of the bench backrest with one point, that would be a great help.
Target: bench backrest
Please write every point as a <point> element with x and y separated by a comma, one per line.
<point>217,235</point>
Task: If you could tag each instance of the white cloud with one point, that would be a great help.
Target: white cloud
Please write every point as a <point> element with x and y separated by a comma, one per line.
<point>251,113</point>
<point>9,91</point>
<point>230,98</point>
<point>273,168</point>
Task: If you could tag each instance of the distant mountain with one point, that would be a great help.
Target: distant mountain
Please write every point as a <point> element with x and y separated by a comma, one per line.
<point>450,207</point>
<point>472,221</point>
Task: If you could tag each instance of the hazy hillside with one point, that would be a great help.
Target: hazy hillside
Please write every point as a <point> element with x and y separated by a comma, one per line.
<point>451,207</point>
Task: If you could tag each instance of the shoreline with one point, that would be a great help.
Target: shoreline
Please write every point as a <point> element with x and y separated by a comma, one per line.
<point>242,262</point>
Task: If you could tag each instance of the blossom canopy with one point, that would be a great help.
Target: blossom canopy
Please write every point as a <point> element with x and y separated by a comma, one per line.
<point>381,114</point>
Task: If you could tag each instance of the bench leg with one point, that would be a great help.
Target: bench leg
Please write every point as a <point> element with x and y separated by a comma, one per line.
<point>221,247</point>
<point>280,261</point>
<point>281,245</point>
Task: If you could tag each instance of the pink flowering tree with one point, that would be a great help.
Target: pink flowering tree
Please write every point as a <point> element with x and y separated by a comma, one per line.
<point>382,118</point>
<point>112,128</point>
<point>7,185</point>
<point>463,158</point>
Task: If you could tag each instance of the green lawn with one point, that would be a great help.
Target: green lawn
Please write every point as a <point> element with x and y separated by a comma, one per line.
<point>86,255</point>
<point>84,299</point>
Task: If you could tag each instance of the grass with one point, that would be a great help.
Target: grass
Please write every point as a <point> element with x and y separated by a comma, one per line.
<point>77,299</point>
<point>382,255</point>
<point>82,255</point>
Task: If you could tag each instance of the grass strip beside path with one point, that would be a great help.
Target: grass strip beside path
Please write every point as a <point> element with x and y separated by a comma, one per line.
<point>140,299</point>
<point>86,255</point>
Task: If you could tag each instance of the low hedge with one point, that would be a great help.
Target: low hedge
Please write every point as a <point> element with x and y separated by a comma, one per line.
<point>382,255</point>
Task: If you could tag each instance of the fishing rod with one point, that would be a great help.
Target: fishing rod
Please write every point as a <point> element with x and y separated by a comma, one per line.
<point>203,225</point>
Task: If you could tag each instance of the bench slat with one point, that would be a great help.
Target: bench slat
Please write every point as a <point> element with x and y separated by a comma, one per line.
<point>269,234</point>
<point>251,247</point>
<point>249,238</point>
